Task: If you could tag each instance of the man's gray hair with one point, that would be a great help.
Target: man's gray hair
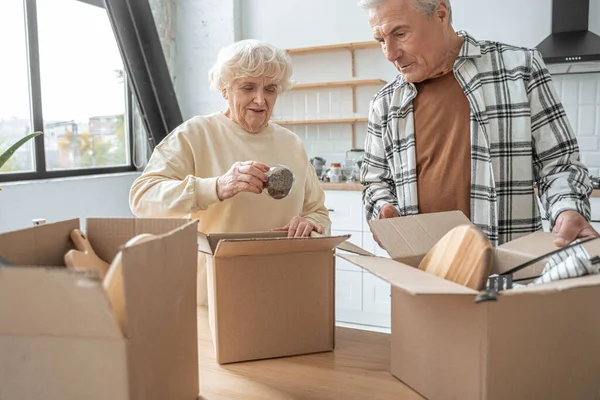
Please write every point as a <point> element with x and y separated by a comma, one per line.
<point>427,7</point>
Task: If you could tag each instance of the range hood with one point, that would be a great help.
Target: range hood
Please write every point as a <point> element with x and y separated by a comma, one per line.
<point>571,47</point>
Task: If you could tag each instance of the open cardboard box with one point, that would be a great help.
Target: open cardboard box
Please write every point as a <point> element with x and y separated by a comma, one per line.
<point>269,295</point>
<point>59,338</point>
<point>538,342</point>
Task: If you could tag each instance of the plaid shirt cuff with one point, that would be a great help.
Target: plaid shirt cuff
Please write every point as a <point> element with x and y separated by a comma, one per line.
<point>582,207</point>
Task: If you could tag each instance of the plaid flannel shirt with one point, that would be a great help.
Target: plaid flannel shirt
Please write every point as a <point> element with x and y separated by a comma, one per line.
<point>520,137</point>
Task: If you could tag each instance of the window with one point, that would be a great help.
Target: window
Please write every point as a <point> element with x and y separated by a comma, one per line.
<point>83,89</point>
<point>14,87</point>
<point>75,69</point>
<point>66,78</point>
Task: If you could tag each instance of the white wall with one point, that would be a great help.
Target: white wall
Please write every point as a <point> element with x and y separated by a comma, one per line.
<point>55,200</point>
<point>203,27</point>
<point>300,23</point>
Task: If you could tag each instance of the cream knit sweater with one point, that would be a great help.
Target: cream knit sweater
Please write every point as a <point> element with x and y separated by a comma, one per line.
<point>180,177</point>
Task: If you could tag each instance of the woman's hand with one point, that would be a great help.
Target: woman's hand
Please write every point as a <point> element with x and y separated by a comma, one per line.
<point>300,227</point>
<point>245,176</point>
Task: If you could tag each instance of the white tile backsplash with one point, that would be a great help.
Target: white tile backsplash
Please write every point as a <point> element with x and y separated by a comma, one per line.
<point>588,143</point>
<point>570,91</point>
<point>587,89</point>
<point>586,120</point>
<point>580,95</point>
<point>572,111</point>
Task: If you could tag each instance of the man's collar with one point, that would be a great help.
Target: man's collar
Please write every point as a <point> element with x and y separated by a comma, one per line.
<point>470,48</point>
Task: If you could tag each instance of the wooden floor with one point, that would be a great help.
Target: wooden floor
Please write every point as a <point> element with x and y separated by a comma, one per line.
<point>357,369</point>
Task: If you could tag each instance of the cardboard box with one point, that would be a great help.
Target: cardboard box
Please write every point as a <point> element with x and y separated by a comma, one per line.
<point>59,338</point>
<point>539,342</point>
<point>269,295</point>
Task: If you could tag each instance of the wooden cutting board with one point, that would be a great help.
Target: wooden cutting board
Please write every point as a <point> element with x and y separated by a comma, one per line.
<point>463,255</point>
<point>83,256</point>
<point>113,282</point>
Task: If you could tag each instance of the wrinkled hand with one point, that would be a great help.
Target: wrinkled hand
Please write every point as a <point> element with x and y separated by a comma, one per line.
<point>571,225</point>
<point>387,211</point>
<point>245,176</point>
<point>300,227</point>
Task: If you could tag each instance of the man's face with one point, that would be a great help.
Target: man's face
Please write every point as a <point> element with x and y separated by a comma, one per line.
<point>417,45</point>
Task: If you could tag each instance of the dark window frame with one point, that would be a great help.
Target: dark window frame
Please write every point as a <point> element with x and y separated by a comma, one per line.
<point>146,66</point>
<point>147,81</point>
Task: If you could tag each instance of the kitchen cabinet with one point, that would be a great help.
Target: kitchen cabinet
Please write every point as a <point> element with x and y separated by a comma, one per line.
<point>361,297</point>
<point>345,210</point>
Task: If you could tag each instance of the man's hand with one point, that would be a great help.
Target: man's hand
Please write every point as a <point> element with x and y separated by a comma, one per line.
<point>300,227</point>
<point>571,225</point>
<point>246,176</point>
<point>387,211</point>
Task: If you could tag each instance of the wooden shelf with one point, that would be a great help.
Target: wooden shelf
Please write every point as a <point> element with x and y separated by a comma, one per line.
<point>350,83</point>
<point>342,46</point>
<point>351,47</point>
<point>321,121</point>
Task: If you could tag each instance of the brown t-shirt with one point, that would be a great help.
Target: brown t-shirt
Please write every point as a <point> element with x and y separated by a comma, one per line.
<point>443,146</point>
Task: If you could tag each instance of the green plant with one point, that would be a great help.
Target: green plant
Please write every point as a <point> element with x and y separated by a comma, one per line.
<point>8,153</point>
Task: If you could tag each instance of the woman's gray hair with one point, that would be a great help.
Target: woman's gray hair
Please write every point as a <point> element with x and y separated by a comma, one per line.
<point>427,7</point>
<point>251,58</point>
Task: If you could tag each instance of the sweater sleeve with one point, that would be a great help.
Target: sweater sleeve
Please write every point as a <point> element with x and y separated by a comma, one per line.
<point>314,208</point>
<point>168,186</point>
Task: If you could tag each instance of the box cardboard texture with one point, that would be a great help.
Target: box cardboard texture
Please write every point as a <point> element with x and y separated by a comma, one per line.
<point>269,295</point>
<point>59,338</point>
<point>539,342</point>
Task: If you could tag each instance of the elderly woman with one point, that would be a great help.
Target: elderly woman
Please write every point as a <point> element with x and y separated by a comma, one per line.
<point>213,167</point>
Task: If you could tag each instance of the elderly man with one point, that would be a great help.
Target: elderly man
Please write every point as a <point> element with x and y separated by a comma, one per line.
<point>469,125</point>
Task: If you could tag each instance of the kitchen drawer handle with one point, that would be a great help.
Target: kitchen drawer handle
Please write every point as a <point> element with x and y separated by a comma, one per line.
<point>330,210</point>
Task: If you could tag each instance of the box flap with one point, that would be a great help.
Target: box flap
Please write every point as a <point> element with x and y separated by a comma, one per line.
<point>107,235</point>
<point>56,302</point>
<point>264,246</point>
<point>407,278</point>
<point>42,245</point>
<point>159,277</point>
<point>534,244</point>
<point>204,244</point>
<point>539,243</point>
<point>525,248</point>
<point>352,248</point>
<point>207,243</point>
<point>414,235</point>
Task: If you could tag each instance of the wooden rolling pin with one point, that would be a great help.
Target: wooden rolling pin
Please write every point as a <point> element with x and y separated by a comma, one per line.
<point>113,282</point>
<point>463,255</point>
<point>84,255</point>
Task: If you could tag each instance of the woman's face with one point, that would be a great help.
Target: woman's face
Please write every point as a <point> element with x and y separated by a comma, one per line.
<point>250,102</point>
